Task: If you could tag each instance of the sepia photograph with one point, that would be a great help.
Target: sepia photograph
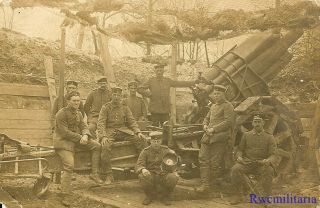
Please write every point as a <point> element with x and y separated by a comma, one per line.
<point>159,103</point>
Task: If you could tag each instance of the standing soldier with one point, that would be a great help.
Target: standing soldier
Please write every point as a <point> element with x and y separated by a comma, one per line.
<point>159,93</point>
<point>95,100</point>
<point>71,131</point>
<point>116,123</point>
<point>255,155</point>
<point>71,87</point>
<point>153,174</point>
<point>135,103</point>
<point>218,128</point>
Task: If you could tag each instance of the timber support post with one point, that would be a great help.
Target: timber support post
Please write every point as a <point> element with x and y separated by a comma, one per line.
<point>62,67</point>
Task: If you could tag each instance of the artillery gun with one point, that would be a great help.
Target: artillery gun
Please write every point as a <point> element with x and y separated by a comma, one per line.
<point>246,71</point>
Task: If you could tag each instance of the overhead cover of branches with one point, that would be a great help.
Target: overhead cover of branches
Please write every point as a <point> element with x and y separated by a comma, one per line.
<point>190,25</point>
<point>198,24</point>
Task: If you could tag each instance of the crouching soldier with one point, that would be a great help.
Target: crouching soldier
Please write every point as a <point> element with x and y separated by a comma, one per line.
<point>255,156</point>
<point>70,131</point>
<point>156,169</point>
<point>113,116</point>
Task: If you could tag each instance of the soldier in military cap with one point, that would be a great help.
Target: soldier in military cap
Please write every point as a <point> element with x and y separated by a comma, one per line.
<point>71,86</point>
<point>135,103</point>
<point>255,155</point>
<point>71,131</point>
<point>95,100</point>
<point>158,89</point>
<point>115,116</point>
<point>154,178</point>
<point>217,126</point>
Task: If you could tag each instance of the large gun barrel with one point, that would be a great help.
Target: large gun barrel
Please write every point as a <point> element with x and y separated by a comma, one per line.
<point>247,68</point>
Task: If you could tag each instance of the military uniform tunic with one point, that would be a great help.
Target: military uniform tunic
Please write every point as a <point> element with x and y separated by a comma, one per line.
<point>55,107</point>
<point>114,116</point>
<point>137,107</point>
<point>159,181</point>
<point>257,146</point>
<point>220,118</point>
<point>254,146</point>
<point>95,100</point>
<point>160,92</point>
<point>213,148</point>
<point>69,130</point>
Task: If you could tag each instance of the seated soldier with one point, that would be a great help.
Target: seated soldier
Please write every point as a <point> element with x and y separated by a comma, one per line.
<point>113,116</point>
<point>70,131</point>
<point>151,173</point>
<point>256,152</point>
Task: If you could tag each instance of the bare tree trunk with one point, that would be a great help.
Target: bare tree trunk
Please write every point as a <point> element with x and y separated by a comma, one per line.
<point>207,56</point>
<point>106,57</point>
<point>96,49</point>
<point>80,37</point>
<point>197,51</point>
<point>183,50</point>
<point>11,21</point>
<point>149,22</point>
<point>4,17</point>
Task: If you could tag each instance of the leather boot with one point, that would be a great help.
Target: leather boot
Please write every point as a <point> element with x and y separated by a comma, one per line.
<point>205,180</point>
<point>147,200</point>
<point>95,162</point>
<point>96,178</point>
<point>66,182</point>
<point>109,179</point>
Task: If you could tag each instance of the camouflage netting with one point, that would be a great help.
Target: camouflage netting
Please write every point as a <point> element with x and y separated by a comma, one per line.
<point>196,24</point>
<point>93,6</point>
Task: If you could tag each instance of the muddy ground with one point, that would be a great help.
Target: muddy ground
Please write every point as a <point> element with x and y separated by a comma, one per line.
<point>127,193</point>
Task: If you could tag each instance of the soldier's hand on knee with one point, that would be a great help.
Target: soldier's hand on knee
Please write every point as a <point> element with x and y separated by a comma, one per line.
<point>104,141</point>
<point>264,162</point>
<point>240,159</point>
<point>84,139</point>
<point>145,172</point>
<point>140,135</point>
<point>210,131</point>
<point>205,128</point>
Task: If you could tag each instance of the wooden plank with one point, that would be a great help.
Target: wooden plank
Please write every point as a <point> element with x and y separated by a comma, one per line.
<point>24,90</point>
<point>48,65</point>
<point>31,115</point>
<point>31,90</point>
<point>24,124</point>
<point>29,134</point>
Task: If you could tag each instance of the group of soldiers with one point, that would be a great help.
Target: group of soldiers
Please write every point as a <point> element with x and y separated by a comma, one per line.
<point>107,112</point>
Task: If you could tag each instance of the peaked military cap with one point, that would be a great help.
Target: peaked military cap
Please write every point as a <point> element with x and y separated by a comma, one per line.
<point>132,83</point>
<point>156,135</point>
<point>72,82</point>
<point>257,118</point>
<point>159,66</point>
<point>220,88</point>
<point>102,79</point>
<point>116,89</point>
<point>71,94</point>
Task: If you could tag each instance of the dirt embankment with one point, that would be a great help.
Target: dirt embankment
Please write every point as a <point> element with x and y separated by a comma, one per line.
<point>21,61</point>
